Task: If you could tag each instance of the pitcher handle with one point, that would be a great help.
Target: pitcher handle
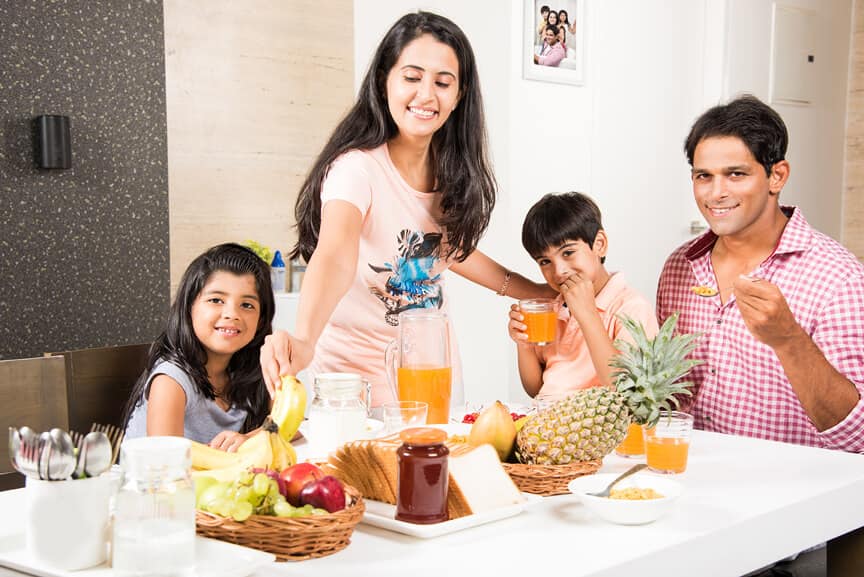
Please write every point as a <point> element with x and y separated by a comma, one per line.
<point>390,357</point>
<point>367,386</point>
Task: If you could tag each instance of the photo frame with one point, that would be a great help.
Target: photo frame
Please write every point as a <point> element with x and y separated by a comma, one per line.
<point>564,60</point>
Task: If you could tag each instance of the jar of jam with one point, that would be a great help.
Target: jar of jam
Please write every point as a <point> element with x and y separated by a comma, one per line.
<point>422,464</point>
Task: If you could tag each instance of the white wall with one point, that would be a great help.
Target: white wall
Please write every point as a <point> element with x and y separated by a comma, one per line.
<point>651,68</point>
<point>817,131</point>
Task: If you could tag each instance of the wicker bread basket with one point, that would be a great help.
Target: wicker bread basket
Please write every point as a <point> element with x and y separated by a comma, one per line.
<point>289,538</point>
<point>548,480</point>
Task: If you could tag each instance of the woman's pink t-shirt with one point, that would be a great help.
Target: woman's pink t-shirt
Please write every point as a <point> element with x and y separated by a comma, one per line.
<point>399,266</point>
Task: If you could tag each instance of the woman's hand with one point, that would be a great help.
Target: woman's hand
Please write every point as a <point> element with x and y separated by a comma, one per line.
<point>283,354</point>
<point>228,441</point>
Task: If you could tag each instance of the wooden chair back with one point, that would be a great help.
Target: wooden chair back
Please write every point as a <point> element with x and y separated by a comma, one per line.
<point>32,393</point>
<point>99,382</point>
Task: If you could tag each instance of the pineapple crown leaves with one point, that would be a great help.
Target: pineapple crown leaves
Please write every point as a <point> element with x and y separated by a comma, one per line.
<point>648,370</point>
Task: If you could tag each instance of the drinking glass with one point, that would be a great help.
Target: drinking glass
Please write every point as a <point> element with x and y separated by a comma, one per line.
<point>338,411</point>
<point>400,415</point>
<point>668,442</point>
<point>154,515</point>
<point>541,318</point>
<point>633,444</point>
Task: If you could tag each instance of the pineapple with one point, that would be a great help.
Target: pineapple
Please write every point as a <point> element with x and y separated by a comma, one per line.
<point>590,423</point>
<point>585,426</point>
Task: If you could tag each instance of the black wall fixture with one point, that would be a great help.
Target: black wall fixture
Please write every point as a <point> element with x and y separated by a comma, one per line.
<point>53,141</point>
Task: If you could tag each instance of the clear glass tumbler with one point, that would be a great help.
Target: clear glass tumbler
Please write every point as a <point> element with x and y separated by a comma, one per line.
<point>154,517</point>
<point>668,443</point>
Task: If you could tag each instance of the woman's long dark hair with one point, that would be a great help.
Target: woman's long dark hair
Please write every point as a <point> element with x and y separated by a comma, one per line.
<point>461,167</point>
<point>179,345</point>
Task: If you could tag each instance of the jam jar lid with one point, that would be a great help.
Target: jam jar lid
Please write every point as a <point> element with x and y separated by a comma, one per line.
<point>423,436</point>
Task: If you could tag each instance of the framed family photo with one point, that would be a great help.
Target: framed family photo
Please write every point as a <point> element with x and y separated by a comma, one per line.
<point>554,41</point>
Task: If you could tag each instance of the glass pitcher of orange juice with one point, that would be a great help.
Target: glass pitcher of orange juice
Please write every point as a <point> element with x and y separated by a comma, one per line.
<point>418,362</point>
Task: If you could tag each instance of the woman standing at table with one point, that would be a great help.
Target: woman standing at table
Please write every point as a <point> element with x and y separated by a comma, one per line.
<point>401,192</point>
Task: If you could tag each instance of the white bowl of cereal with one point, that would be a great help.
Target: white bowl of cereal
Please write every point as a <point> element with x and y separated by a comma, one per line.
<point>638,499</point>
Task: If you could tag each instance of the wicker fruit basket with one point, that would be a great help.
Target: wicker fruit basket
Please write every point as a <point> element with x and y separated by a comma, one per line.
<point>548,480</point>
<point>289,538</point>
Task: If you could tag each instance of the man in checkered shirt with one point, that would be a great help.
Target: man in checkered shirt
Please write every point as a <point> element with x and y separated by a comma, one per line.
<point>783,335</point>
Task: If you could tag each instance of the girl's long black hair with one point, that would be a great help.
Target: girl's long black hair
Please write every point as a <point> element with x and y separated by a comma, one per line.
<point>461,164</point>
<point>179,345</point>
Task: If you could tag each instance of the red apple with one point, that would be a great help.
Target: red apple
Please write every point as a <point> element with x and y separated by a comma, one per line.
<point>296,477</point>
<point>325,493</point>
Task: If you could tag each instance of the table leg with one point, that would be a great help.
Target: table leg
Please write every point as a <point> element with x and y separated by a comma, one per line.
<point>846,554</point>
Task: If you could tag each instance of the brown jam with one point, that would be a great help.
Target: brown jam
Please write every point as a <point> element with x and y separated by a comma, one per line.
<point>422,462</point>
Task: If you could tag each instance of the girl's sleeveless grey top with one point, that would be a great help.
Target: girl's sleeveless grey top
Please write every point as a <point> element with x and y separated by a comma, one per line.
<point>203,418</point>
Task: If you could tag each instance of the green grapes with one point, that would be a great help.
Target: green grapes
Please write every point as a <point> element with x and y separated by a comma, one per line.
<point>248,494</point>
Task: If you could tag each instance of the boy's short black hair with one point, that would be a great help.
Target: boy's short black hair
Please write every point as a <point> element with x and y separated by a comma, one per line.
<point>758,126</point>
<point>558,218</point>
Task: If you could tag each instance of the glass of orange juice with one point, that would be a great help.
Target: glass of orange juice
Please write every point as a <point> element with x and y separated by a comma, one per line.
<point>633,444</point>
<point>418,362</point>
<point>668,443</point>
<point>541,318</point>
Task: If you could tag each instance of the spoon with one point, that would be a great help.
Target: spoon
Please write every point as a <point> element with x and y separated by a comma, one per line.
<point>27,456</point>
<point>14,445</point>
<point>82,445</point>
<point>46,447</point>
<point>704,291</point>
<point>61,460</point>
<point>605,492</point>
<point>96,455</point>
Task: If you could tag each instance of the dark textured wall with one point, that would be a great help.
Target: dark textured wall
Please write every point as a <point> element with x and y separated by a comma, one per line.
<point>83,251</point>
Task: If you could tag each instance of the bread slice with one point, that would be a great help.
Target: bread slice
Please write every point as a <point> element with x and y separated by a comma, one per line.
<point>479,483</point>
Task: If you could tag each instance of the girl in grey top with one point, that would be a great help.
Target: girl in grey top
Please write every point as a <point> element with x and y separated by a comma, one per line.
<point>203,377</point>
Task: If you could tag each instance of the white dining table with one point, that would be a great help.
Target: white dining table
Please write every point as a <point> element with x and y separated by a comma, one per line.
<point>746,503</point>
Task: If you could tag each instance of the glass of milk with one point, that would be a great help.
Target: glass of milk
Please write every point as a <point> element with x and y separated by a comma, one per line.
<point>338,412</point>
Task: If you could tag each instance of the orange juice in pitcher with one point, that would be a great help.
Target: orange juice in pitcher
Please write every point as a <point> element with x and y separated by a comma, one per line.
<point>430,385</point>
<point>418,362</point>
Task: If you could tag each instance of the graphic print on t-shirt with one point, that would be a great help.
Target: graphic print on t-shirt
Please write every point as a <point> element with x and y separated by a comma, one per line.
<point>411,280</point>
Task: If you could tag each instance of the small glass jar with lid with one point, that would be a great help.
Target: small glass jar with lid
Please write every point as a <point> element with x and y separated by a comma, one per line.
<point>154,513</point>
<point>423,476</point>
<point>338,411</point>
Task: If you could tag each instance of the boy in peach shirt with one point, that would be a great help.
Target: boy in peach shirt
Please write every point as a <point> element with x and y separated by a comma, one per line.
<point>564,234</point>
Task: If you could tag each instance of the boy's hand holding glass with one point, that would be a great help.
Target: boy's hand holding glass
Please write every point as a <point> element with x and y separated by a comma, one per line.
<point>517,327</point>
<point>534,322</point>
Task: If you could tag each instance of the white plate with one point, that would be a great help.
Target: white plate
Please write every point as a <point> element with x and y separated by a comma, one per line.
<point>382,515</point>
<point>213,558</point>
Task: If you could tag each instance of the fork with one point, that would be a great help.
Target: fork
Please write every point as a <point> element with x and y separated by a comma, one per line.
<point>76,439</point>
<point>115,435</point>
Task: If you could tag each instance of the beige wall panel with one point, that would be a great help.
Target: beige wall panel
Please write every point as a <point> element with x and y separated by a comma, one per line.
<point>252,89</point>
<point>853,201</point>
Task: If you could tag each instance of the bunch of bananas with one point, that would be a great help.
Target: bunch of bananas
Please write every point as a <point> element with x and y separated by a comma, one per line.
<point>269,448</point>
